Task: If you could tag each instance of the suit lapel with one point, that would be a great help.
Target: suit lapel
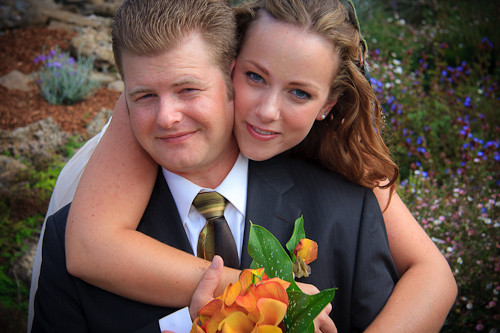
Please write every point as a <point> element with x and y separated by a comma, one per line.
<point>161,219</point>
<point>266,206</point>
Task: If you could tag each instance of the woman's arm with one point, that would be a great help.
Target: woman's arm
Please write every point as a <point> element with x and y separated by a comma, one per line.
<point>427,289</point>
<point>102,243</point>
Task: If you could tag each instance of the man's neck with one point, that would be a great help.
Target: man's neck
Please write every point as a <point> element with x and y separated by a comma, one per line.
<point>213,176</point>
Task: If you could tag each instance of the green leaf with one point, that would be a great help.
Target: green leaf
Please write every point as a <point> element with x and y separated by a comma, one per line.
<point>302,309</point>
<point>298,234</point>
<point>267,252</point>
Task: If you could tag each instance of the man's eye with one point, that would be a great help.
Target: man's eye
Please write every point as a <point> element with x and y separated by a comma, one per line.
<point>254,77</point>
<point>189,91</point>
<point>146,96</point>
<point>301,94</point>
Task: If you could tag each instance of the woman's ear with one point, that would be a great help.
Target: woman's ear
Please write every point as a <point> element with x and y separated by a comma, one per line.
<point>323,113</point>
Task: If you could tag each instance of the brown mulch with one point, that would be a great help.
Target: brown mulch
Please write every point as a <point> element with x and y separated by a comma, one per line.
<point>18,49</point>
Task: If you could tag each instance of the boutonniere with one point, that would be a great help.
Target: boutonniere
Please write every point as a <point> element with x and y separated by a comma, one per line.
<point>266,297</point>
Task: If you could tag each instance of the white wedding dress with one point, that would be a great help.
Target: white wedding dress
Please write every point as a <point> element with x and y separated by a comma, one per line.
<point>61,196</point>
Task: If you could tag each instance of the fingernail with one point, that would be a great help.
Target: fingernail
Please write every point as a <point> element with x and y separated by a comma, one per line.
<point>215,263</point>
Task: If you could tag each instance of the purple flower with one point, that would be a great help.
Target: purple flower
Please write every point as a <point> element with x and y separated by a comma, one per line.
<point>487,41</point>
<point>479,327</point>
<point>421,150</point>
<point>467,101</point>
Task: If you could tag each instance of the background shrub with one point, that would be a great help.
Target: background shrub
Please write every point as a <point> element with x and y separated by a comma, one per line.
<point>64,80</point>
<point>435,69</point>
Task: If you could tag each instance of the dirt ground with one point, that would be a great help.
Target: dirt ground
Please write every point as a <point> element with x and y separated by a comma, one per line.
<point>18,49</point>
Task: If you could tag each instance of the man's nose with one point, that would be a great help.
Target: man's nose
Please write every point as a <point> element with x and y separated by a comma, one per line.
<point>270,107</point>
<point>170,112</point>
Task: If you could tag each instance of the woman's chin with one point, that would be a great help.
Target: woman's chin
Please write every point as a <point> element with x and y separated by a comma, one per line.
<point>256,154</point>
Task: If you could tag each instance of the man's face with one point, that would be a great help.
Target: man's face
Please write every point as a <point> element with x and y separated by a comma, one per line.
<point>180,112</point>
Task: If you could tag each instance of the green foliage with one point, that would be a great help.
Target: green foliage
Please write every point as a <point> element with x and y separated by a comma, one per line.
<point>22,212</point>
<point>71,145</point>
<point>267,252</point>
<point>438,81</point>
<point>64,80</point>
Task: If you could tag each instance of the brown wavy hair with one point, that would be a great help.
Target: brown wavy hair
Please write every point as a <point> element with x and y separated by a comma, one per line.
<point>349,141</point>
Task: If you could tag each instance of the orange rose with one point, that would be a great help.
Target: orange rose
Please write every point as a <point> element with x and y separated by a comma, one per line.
<point>253,304</point>
<point>305,252</point>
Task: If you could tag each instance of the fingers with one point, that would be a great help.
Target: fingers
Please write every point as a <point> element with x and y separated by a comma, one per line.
<point>322,323</point>
<point>205,291</point>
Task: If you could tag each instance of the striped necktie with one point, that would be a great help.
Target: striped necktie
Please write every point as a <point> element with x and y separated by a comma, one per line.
<point>216,237</point>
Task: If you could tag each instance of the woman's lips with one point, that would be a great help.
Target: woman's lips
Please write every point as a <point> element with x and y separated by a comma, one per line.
<point>261,134</point>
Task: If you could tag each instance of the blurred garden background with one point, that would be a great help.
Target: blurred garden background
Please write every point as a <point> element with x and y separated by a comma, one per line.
<point>435,67</point>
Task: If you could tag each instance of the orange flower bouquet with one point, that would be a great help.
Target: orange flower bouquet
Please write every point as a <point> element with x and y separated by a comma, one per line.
<point>266,298</point>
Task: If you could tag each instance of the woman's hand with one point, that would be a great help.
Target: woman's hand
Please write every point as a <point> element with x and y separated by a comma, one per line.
<point>322,323</point>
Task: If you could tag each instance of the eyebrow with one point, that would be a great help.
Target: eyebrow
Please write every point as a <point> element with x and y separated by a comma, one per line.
<point>295,83</point>
<point>262,69</point>
<point>188,80</point>
<point>183,81</point>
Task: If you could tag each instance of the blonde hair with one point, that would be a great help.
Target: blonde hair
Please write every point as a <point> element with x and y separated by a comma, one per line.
<point>349,140</point>
<point>151,27</point>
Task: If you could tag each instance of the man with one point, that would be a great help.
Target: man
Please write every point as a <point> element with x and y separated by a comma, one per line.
<point>179,96</point>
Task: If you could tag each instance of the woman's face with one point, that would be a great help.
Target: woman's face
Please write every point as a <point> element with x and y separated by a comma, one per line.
<point>281,80</point>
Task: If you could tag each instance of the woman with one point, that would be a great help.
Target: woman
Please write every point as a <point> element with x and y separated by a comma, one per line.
<point>275,109</point>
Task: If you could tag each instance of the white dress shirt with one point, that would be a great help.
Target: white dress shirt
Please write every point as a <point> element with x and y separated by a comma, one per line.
<point>233,188</point>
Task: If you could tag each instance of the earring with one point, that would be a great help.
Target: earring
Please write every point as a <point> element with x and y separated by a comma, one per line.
<point>323,116</point>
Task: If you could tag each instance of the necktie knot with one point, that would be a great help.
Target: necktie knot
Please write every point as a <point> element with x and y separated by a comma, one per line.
<point>210,204</point>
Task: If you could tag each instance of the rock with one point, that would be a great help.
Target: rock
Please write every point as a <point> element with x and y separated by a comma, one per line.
<point>99,121</point>
<point>16,80</point>
<point>97,43</point>
<point>22,13</point>
<point>105,9</point>
<point>103,78</point>
<point>9,170</point>
<point>22,267</point>
<point>61,25</point>
<point>33,141</point>
<point>117,85</point>
<point>70,18</point>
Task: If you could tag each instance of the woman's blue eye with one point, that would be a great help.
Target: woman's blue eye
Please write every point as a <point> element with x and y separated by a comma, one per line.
<point>254,77</point>
<point>301,94</point>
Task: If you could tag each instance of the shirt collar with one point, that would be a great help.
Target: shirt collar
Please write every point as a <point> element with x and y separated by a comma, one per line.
<point>233,188</point>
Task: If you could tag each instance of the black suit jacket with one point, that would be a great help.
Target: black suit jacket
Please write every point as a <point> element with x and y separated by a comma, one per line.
<point>344,219</point>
